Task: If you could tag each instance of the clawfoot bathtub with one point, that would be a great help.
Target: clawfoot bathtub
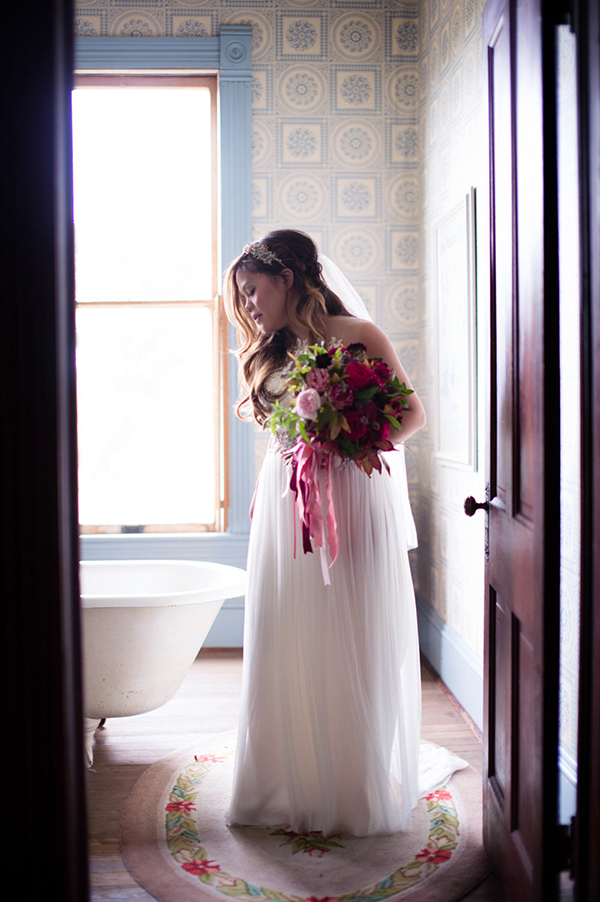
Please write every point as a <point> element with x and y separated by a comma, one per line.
<point>143,625</point>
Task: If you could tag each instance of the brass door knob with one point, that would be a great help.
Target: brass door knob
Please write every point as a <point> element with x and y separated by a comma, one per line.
<point>471,506</point>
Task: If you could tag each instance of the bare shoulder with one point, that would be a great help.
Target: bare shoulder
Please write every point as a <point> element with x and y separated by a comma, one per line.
<point>375,339</point>
<point>349,329</point>
<point>345,328</point>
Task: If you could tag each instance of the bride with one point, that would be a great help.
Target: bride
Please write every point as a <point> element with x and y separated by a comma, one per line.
<point>329,736</point>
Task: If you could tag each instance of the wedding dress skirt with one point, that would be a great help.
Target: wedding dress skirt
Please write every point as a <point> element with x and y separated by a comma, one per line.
<point>329,736</point>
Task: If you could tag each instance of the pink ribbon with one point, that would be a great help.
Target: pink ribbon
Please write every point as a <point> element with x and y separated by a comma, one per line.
<point>309,461</point>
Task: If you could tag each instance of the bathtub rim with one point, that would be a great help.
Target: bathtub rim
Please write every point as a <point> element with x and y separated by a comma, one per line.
<point>235,588</point>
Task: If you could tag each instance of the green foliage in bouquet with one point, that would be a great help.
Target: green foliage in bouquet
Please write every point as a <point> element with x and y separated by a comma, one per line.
<point>342,402</point>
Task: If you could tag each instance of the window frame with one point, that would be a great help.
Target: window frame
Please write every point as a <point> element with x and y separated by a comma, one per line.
<point>227,56</point>
<point>219,347</point>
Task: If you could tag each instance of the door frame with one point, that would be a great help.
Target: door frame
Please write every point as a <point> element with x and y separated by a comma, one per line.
<point>43,53</point>
<point>38,500</point>
<point>586,862</point>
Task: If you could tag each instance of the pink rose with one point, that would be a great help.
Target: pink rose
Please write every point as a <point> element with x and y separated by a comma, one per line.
<point>308,403</point>
<point>317,379</point>
<point>358,376</point>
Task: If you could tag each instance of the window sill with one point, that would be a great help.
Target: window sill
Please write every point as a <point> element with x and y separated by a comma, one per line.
<point>220,548</point>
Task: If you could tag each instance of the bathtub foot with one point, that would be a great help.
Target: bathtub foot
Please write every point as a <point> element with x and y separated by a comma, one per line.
<point>91,724</point>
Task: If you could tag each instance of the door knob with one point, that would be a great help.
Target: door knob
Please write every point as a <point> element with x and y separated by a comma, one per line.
<point>471,506</point>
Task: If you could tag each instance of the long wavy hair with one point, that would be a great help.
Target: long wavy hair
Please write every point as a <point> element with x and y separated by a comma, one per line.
<point>308,302</point>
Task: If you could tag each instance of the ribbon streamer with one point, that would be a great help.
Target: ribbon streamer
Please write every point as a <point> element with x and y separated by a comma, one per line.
<point>309,462</point>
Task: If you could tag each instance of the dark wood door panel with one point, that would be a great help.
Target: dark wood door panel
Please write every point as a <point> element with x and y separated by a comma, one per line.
<point>530,230</point>
<point>499,769</point>
<point>521,667</point>
<point>501,203</point>
<point>511,768</point>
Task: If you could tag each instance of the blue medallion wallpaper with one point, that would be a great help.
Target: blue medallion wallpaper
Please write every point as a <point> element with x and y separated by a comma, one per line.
<point>367,126</point>
<point>369,132</point>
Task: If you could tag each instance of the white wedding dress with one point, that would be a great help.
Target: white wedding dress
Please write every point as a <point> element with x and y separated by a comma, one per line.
<point>330,724</point>
<point>329,735</point>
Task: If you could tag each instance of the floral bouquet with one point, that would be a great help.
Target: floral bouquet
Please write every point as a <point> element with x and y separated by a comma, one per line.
<point>343,406</point>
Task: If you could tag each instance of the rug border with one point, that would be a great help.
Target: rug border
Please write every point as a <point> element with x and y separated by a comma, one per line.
<point>144,834</point>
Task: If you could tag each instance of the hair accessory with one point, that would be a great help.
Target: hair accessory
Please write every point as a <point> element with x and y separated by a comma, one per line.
<point>262,253</point>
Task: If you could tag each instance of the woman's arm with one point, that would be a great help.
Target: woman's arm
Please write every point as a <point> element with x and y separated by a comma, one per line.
<point>378,345</point>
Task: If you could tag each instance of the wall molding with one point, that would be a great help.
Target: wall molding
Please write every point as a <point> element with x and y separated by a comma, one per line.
<point>457,665</point>
<point>147,53</point>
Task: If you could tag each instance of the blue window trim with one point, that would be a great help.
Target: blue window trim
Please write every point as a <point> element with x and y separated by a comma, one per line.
<point>229,56</point>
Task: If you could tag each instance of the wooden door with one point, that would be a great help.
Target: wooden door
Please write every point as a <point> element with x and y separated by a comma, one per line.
<point>42,715</point>
<point>522,569</point>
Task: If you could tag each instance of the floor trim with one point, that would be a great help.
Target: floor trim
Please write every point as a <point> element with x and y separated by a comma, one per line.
<point>450,657</point>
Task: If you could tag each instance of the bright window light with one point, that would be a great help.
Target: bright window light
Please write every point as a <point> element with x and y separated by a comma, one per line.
<point>142,177</point>
<point>146,381</point>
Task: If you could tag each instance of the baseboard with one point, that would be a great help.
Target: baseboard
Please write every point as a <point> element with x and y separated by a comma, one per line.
<point>228,629</point>
<point>567,786</point>
<point>453,660</point>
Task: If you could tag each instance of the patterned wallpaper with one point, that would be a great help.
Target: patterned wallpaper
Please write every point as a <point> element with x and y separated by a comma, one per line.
<point>369,128</point>
<point>366,130</point>
<point>570,341</point>
<point>452,126</point>
<point>335,133</point>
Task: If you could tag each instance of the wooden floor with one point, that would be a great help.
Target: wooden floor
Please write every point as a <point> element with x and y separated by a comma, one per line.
<point>208,701</point>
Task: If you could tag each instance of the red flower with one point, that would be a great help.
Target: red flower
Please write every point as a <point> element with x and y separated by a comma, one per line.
<point>357,347</point>
<point>358,376</point>
<point>436,856</point>
<point>197,867</point>
<point>356,423</point>
<point>181,806</point>
<point>316,853</point>
<point>438,795</point>
<point>321,899</point>
<point>382,372</point>
<point>384,431</point>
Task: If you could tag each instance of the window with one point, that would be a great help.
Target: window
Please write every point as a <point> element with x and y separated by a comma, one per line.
<point>228,57</point>
<point>150,334</point>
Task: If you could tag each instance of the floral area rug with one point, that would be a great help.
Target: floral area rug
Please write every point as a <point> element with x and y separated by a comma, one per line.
<point>178,847</point>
